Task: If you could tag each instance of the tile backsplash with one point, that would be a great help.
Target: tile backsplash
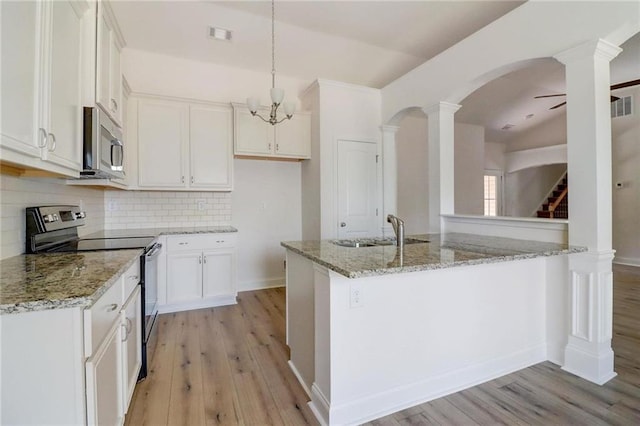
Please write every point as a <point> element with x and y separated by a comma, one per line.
<point>17,193</point>
<point>157,209</point>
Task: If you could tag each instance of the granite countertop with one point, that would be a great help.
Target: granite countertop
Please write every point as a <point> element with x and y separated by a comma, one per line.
<point>438,251</point>
<point>34,282</point>
<point>155,232</point>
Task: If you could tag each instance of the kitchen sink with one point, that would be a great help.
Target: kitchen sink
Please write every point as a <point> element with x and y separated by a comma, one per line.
<point>351,243</point>
<point>375,242</point>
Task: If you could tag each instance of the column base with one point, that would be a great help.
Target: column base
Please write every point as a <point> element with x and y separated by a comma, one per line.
<point>595,367</point>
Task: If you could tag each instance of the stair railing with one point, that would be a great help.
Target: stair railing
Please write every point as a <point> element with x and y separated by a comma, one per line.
<point>556,203</point>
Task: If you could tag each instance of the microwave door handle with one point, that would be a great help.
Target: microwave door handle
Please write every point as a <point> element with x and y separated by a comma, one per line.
<point>117,143</point>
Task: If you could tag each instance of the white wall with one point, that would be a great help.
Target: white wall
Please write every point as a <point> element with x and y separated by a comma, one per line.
<point>413,173</point>
<point>550,132</point>
<point>494,156</point>
<point>266,210</point>
<point>17,193</point>
<point>526,189</point>
<point>469,169</point>
<point>626,169</point>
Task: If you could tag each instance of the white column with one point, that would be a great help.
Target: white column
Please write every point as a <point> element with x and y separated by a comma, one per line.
<point>588,353</point>
<point>389,176</point>
<point>441,162</point>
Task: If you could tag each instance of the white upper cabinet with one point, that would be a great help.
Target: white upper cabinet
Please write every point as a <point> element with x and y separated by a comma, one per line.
<point>108,72</point>
<point>20,62</point>
<point>162,142</point>
<point>253,137</point>
<point>210,151</point>
<point>41,85</point>
<point>183,145</point>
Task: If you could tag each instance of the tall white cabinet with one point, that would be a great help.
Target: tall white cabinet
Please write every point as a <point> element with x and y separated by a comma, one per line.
<point>108,69</point>
<point>42,49</point>
<point>182,145</point>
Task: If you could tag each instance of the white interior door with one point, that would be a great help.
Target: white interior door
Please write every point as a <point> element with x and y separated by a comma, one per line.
<point>357,194</point>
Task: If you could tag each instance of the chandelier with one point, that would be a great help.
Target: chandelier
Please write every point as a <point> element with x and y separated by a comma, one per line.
<point>277,94</point>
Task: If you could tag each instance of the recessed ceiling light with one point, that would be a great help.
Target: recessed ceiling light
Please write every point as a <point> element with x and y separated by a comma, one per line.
<point>529,116</point>
<point>219,34</point>
<point>507,126</point>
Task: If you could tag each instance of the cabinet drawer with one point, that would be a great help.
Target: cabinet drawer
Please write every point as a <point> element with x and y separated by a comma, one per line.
<point>131,280</point>
<point>99,318</point>
<point>200,242</point>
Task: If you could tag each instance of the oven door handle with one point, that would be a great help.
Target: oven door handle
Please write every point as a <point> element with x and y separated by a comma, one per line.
<point>153,251</point>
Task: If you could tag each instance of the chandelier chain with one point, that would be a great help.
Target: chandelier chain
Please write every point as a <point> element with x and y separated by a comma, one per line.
<point>273,43</point>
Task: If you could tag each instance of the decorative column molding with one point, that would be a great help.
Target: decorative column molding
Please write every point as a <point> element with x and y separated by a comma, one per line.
<point>389,176</point>
<point>588,353</point>
<point>441,162</point>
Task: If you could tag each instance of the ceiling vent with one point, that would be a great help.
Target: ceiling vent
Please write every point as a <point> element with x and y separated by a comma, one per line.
<point>220,34</point>
<point>507,126</point>
<point>622,107</point>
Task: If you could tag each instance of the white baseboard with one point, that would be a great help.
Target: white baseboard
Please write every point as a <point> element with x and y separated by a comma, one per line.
<point>629,261</point>
<point>211,302</point>
<point>261,284</point>
<point>384,403</point>
<point>299,377</point>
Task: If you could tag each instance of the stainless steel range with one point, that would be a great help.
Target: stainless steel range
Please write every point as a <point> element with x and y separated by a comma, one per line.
<point>54,229</point>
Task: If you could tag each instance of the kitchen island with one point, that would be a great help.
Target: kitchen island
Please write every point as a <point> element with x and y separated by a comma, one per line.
<point>375,329</point>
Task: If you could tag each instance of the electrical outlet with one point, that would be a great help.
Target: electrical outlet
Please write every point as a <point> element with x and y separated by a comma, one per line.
<point>202,204</point>
<point>356,296</point>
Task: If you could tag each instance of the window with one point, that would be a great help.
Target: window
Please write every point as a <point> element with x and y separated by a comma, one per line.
<point>492,192</point>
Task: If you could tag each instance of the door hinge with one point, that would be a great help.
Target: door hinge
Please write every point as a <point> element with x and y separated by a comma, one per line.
<point>285,264</point>
<point>376,212</point>
<point>377,156</point>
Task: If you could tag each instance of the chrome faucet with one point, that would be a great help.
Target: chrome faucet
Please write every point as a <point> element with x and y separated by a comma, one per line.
<point>398,229</point>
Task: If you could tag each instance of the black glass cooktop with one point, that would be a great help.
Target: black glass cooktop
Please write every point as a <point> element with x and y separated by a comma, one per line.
<point>104,244</point>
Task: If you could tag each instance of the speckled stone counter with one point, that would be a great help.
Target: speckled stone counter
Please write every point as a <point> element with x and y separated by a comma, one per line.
<point>436,252</point>
<point>33,282</point>
<point>155,232</point>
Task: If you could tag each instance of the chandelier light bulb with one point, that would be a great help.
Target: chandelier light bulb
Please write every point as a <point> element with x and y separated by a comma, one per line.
<point>277,95</point>
<point>253,104</point>
<point>289,108</point>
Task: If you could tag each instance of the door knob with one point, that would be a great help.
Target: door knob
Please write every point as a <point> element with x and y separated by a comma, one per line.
<point>342,224</point>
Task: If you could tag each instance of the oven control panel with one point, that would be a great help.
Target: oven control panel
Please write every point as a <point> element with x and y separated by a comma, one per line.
<point>52,218</point>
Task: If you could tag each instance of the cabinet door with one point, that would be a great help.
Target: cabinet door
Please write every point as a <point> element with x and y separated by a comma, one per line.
<point>293,137</point>
<point>65,125</point>
<point>104,382</point>
<point>210,147</point>
<point>131,345</point>
<point>219,273</point>
<point>252,135</point>
<point>103,66</point>
<point>162,142</point>
<point>115,81</point>
<point>20,21</point>
<point>184,277</point>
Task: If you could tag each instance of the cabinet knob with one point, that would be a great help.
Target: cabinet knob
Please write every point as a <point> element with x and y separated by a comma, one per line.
<point>112,307</point>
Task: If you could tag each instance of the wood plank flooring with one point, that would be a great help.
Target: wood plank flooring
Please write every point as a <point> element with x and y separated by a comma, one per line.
<point>228,365</point>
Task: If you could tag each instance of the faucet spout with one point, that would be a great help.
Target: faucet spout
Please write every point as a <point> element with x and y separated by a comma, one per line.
<point>398,228</point>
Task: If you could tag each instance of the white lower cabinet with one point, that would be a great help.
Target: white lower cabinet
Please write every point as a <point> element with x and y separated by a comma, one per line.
<point>131,332</point>
<point>104,387</point>
<point>201,271</point>
<point>78,366</point>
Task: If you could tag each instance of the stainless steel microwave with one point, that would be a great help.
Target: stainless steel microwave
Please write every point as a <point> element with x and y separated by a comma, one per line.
<point>103,148</point>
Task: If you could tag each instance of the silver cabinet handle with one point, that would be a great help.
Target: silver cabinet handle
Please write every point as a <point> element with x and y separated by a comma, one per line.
<point>205,259</point>
<point>126,333</point>
<point>112,307</point>
<point>54,144</point>
<point>42,141</point>
<point>342,224</point>
<point>269,147</point>
<point>277,147</point>
<point>200,260</point>
<point>191,179</point>
<point>115,104</point>
<point>183,244</point>
<point>182,179</point>
<point>132,277</point>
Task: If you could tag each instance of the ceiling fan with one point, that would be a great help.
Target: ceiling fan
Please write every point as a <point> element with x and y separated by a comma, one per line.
<point>613,87</point>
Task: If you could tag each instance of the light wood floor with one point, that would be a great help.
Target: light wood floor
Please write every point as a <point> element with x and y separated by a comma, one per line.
<point>228,365</point>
